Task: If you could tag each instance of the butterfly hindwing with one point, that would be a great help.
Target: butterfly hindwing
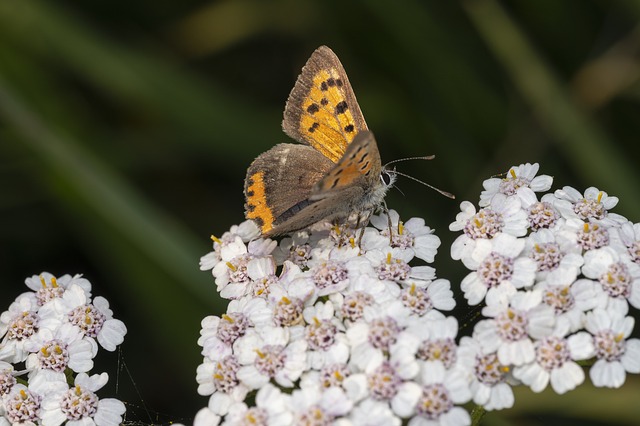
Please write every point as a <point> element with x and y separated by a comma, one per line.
<point>322,110</point>
<point>279,182</point>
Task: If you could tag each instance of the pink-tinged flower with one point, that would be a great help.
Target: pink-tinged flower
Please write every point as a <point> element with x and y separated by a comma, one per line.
<point>234,258</point>
<point>491,381</point>
<point>505,215</point>
<point>518,179</point>
<point>513,326</point>
<point>619,277</point>
<point>19,325</point>
<point>494,263</point>
<point>271,408</point>
<point>269,353</point>
<point>47,287</point>
<point>434,397</point>
<point>79,405</point>
<point>616,354</point>
<point>412,236</point>
<point>555,362</point>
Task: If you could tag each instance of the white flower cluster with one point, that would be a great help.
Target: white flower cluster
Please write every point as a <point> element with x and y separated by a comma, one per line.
<point>321,331</point>
<point>556,276</point>
<point>50,336</point>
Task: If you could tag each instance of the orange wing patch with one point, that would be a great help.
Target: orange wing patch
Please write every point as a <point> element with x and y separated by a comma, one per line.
<point>359,163</point>
<point>257,207</point>
<point>327,120</point>
<point>344,176</point>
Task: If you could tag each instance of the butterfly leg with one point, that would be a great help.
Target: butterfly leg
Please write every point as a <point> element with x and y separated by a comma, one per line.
<point>364,225</point>
<point>389,223</point>
<point>358,221</point>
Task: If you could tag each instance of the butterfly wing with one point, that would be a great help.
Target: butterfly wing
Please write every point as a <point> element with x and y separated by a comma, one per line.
<point>360,166</point>
<point>335,172</point>
<point>279,183</point>
<point>322,110</point>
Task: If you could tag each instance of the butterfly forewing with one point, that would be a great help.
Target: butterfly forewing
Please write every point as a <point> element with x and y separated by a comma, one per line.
<point>360,165</point>
<point>322,110</point>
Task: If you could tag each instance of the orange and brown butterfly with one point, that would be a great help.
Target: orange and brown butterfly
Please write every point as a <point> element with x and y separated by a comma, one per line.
<point>334,171</point>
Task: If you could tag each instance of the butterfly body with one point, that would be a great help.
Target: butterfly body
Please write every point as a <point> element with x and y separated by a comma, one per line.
<point>334,172</point>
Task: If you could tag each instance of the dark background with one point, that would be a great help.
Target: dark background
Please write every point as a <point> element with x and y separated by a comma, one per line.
<point>126,129</point>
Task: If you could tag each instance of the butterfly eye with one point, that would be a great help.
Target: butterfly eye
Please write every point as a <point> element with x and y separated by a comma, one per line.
<point>385,177</point>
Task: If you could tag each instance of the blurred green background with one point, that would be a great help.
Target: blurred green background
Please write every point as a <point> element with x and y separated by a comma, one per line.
<point>126,129</point>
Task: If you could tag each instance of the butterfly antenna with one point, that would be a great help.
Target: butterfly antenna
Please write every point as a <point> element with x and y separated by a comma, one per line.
<point>445,193</point>
<point>426,157</point>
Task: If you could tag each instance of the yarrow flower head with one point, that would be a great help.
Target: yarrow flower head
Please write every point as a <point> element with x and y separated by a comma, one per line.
<point>81,404</point>
<point>334,326</point>
<point>52,334</point>
<point>519,181</point>
<point>579,277</point>
<point>329,337</point>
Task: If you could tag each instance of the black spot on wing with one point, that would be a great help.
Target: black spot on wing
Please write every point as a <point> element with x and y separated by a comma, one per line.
<point>353,156</point>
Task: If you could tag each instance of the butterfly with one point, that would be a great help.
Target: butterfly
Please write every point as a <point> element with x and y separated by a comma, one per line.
<point>334,171</point>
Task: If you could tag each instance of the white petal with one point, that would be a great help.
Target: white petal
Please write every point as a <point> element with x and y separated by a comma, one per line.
<point>581,346</point>
<point>567,377</point>
<point>501,397</point>
<point>404,402</point>
<point>607,374</point>
<point>206,417</point>
<point>516,353</point>
<point>457,416</point>
<point>532,375</point>
<point>631,358</point>
<point>109,412</point>
<point>112,334</point>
